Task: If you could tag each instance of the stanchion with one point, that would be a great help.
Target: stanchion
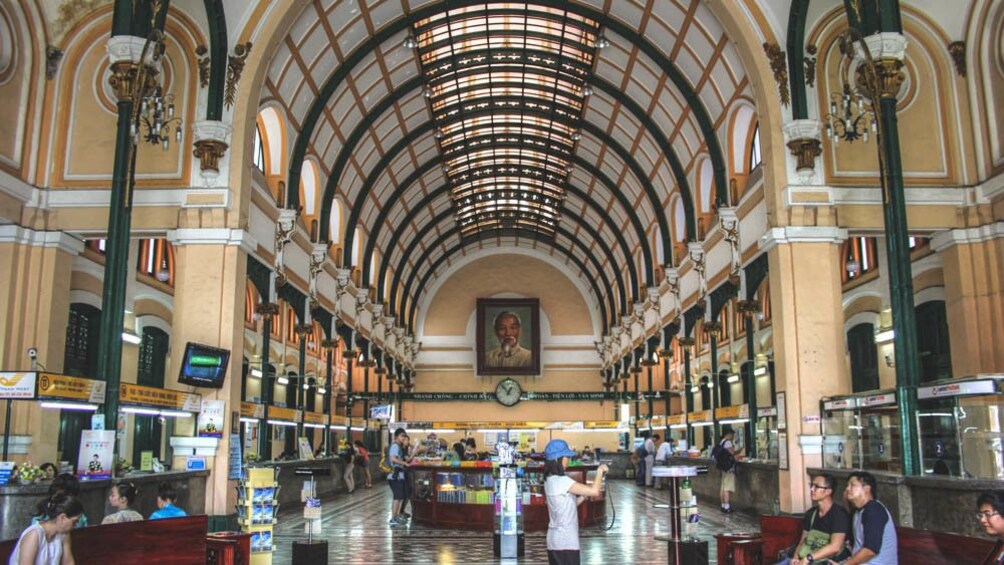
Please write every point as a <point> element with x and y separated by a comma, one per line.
<point>683,549</point>
<point>311,551</point>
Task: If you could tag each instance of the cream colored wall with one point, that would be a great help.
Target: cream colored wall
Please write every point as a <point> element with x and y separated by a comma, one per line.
<point>13,90</point>
<point>456,300</point>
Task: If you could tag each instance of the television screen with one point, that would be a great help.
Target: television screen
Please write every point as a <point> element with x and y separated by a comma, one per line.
<point>204,366</point>
<point>381,412</point>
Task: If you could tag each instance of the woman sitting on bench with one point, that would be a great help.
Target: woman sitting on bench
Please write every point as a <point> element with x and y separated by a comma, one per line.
<point>47,542</point>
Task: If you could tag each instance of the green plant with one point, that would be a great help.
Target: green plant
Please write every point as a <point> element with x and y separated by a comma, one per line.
<point>251,457</point>
<point>29,473</point>
<point>122,466</point>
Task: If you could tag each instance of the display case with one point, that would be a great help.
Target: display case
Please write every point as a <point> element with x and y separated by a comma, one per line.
<point>959,425</point>
<point>861,431</point>
<point>766,433</point>
<point>463,496</point>
<point>508,528</point>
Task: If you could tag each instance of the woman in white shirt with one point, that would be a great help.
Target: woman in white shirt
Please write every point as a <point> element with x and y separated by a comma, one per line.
<point>563,498</point>
<point>47,542</point>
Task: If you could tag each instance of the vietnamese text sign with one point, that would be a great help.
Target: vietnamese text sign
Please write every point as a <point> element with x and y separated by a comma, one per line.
<point>65,387</point>
<point>286,414</point>
<point>234,461</point>
<point>17,385</point>
<point>252,410</point>
<point>159,398</point>
<point>315,418</point>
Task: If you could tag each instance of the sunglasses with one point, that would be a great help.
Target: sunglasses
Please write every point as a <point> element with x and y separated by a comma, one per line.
<point>813,486</point>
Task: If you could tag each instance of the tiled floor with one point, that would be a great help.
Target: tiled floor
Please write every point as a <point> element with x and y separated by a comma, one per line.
<point>357,532</point>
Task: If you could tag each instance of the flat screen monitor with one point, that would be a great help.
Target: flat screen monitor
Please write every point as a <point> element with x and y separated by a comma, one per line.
<point>381,412</point>
<point>204,366</point>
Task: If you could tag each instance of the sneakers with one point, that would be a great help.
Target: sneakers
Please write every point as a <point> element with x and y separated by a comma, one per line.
<point>726,510</point>
<point>404,516</point>
<point>394,522</point>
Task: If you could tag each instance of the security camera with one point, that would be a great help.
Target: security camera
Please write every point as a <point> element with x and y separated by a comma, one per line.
<point>32,353</point>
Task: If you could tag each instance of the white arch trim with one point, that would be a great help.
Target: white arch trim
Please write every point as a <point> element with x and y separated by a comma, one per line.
<point>931,294</point>
<point>85,297</point>
<point>861,318</point>
<point>481,254</point>
<point>151,321</point>
<point>850,297</point>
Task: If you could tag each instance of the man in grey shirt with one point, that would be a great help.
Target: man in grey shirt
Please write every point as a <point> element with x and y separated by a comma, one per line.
<point>874,532</point>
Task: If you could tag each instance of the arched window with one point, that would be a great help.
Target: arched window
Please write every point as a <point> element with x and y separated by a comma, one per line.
<point>258,157</point>
<point>864,357</point>
<point>755,157</point>
<point>150,371</point>
<point>335,222</point>
<point>860,256</point>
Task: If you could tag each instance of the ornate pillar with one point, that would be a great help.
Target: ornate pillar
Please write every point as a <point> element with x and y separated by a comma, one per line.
<point>974,296</point>
<point>809,352</point>
<point>804,143</point>
<point>212,138</point>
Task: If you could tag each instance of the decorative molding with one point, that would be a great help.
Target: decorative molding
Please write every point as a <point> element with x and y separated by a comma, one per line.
<point>941,241</point>
<point>779,66</point>
<point>285,228</point>
<point>812,195</point>
<point>47,239</point>
<point>810,65</point>
<point>885,45</point>
<point>213,236</point>
<point>805,152</point>
<point>235,67</point>
<point>195,446</point>
<point>48,199</point>
<point>957,50</point>
<point>801,234</point>
<point>205,65</point>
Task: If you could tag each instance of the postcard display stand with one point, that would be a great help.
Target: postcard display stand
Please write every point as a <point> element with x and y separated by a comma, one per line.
<point>257,506</point>
<point>508,538</point>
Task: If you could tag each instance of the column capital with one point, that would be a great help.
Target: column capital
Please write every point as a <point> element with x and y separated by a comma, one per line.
<point>802,129</point>
<point>801,234</point>
<point>884,45</point>
<point>213,236</point>
<point>942,240</point>
<point>50,239</point>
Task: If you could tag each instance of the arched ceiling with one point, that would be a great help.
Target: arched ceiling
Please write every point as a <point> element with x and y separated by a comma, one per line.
<point>550,124</point>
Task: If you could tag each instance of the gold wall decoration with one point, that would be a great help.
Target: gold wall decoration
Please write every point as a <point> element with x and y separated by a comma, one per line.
<point>779,65</point>
<point>805,151</point>
<point>235,66</point>
<point>204,65</point>
<point>810,65</point>
<point>957,49</point>
<point>209,152</point>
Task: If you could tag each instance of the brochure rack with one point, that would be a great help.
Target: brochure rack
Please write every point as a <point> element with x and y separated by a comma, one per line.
<point>257,506</point>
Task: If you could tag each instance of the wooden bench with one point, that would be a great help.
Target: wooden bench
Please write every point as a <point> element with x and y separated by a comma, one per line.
<point>914,546</point>
<point>175,541</point>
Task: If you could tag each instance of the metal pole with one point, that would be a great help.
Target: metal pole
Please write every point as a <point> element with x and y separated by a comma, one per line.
<point>651,402</point>
<point>6,429</point>
<point>301,394</point>
<point>689,396</point>
<point>264,438</point>
<point>716,398</point>
<point>750,383</point>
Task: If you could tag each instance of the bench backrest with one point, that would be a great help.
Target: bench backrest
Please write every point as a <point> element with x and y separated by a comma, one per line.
<point>174,541</point>
<point>914,546</point>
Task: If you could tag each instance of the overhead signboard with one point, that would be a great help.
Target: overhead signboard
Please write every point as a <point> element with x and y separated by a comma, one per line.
<point>315,418</point>
<point>64,387</point>
<point>285,414</point>
<point>676,420</point>
<point>840,404</point>
<point>598,396</point>
<point>136,395</point>
<point>17,385</point>
<point>965,388</point>
<point>879,399</point>
<point>699,416</point>
<point>252,410</point>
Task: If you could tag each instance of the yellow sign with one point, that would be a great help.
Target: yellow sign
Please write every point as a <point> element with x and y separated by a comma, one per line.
<point>286,414</point>
<point>64,387</point>
<point>642,424</point>
<point>159,397</point>
<point>339,420</point>
<point>252,410</point>
<point>146,461</point>
<point>732,412</point>
<point>315,418</point>
<point>676,420</point>
<point>699,416</point>
<point>601,424</point>
<point>17,386</point>
<point>658,421</point>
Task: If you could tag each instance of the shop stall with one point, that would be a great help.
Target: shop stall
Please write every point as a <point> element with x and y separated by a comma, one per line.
<point>676,430</point>
<point>51,391</point>
<point>766,434</point>
<point>463,496</point>
<point>699,425</point>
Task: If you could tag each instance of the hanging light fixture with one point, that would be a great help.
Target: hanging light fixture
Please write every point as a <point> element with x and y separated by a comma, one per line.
<point>602,42</point>
<point>163,273</point>
<point>409,42</point>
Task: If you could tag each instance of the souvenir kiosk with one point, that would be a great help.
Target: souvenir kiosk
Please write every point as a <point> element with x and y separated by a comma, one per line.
<point>960,423</point>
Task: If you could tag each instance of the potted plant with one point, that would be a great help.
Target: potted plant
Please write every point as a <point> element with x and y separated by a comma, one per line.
<point>27,473</point>
<point>122,467</point>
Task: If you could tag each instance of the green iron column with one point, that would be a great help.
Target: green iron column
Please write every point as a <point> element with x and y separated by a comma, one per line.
<point>130,80</point>
<point>686,343</point>
<point>712,328</point>
<point>267,382</point>
<point>883,77</point>
<point>747,308</point>
<point>301,369</point>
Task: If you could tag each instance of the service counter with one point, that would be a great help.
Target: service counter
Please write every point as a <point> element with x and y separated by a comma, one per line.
<point>942,504</point>
<point>757,484</point>
<point>463,498</point>
<point>18,503</point>
<point>291,484</point>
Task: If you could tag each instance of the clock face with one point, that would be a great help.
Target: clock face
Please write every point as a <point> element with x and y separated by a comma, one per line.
<point>508,392</point>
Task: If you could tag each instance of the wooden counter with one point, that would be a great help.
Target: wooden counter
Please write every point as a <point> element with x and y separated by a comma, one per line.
<point>434,486</point>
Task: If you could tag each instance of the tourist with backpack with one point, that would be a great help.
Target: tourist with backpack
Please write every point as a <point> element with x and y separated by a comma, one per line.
<point>638,458</point>
<point>397,454</point>
<point>724,455</point>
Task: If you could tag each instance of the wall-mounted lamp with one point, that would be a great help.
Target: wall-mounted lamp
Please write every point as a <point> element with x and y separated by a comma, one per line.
<point>759,371</point>
<point>885,336</point>
<point>890,361</point>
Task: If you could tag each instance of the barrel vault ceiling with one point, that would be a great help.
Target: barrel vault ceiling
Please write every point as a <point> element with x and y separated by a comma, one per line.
<point>443,128</point>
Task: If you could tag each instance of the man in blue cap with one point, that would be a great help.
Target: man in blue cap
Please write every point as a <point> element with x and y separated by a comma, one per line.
<point>563,498</point>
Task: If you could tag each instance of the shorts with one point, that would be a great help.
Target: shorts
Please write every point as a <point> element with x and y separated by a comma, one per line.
<point>563,557</point>
<point>729,481</point>
<point>398,489</point>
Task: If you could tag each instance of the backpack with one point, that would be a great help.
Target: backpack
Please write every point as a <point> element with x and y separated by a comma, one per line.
<point>724,460</point>
<point>641,452</point>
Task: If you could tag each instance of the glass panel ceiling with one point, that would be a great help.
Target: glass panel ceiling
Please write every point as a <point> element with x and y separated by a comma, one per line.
<point>506,83</point>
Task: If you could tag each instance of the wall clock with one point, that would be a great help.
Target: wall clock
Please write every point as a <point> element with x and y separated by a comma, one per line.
<point>508,392</point>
